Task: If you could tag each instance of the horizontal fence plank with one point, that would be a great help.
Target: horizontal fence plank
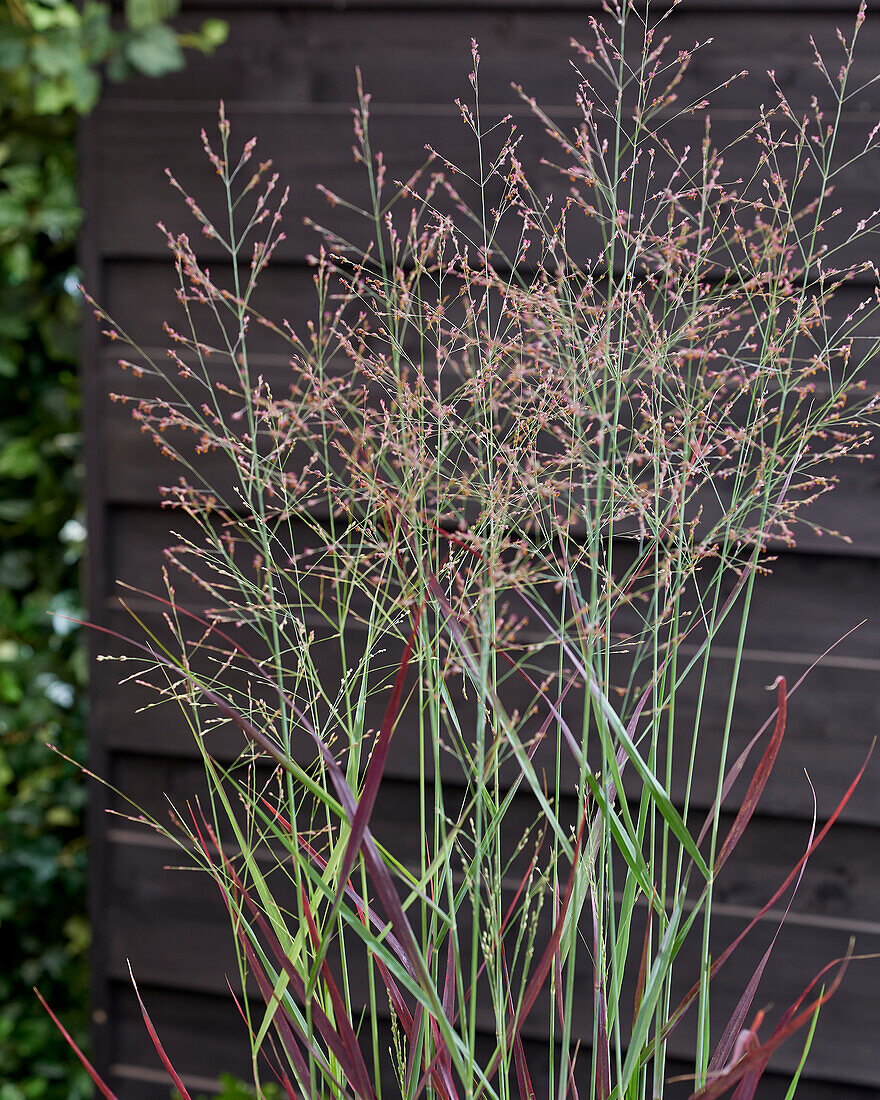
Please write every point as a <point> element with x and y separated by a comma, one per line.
<point>303,54</point>
<point>807,603</point>
<point>140,297</point>
<point>311,145</point>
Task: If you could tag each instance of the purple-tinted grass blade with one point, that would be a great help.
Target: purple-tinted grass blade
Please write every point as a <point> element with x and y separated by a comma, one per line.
<point>281,1076</point>
<point>758,1054</point>
<point>555,712</point>
<point>68,1038</point>
<point>759,780</point>
<point>541,970</point>
<point>739,763</point>
<point>523,1079</point>
<point>693,992</point>
<point>365,911</point>
<point>603,1058</point>
<point>286,1026</point>
<point>728,1038</point>
<point>409,1024</point>
<point>643,967</point>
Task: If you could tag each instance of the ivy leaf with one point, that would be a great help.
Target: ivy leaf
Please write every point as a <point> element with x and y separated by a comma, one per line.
<point>154,51</point>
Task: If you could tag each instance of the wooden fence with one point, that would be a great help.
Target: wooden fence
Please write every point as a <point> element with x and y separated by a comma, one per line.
<point>287,75</point>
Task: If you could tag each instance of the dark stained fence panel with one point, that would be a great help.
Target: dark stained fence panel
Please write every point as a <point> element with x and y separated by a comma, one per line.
<point>287,76</point>
<point>293,55</point>
<point>310,144</point>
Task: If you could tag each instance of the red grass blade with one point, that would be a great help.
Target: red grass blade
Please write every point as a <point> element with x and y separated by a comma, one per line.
<point>740,761</point>
<point>643,967</point>
<point>539,974</point>
<point>376,766</point>
<point>160,1050</point>
<point>523,1079</point>
<point>281,1076</point>
<point>728,1038</point>
<point>322,1021</point>
<point>344,1029</point>
<point>367,915</point>
<point>89,1068</point>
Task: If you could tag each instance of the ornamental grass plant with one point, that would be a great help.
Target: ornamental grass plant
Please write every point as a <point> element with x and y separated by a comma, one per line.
<point>532,455</point>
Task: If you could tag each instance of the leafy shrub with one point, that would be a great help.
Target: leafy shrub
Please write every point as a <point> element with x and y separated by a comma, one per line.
<point>51,54</point>
<point>528,462</point>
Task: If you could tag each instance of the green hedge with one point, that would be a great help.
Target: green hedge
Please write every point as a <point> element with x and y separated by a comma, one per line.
<point>53,55</point>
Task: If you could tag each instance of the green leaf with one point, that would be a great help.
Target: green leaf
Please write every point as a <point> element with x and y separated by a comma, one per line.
<point>86,86</point>
<point>13,49</point>
<point>154,51</point>
<point>54,54</point>
<point>140,14</point>
<point>52,96</point>
<point>19,459</point>
<point>214,32</point>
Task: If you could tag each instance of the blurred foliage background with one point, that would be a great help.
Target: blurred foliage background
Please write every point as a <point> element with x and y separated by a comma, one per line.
<point>54,55</point>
